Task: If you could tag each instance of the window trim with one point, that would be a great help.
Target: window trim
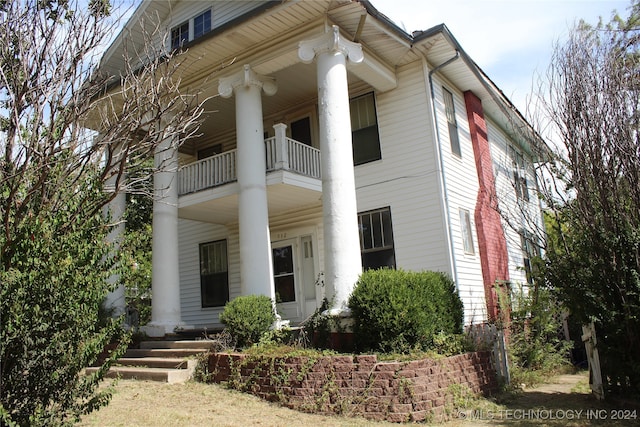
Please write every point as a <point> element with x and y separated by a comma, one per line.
<point>520,180</point>
<point>182,41</point>
<point>530,247</point>
<point>202,287</point>
<point>452,122</point>
<point>376,125</point>
<point>466,231</point>
<point>385,245</point>
<point>205,31</point>
<point>190,23</point>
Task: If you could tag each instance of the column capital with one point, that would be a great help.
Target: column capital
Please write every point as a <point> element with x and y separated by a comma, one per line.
<point>330,42</point>
<point>245,78</point>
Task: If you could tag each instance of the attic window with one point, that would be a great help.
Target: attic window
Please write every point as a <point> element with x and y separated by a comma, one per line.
<point>190,30</point>
<point>179,35</point>
<point>202,24</point>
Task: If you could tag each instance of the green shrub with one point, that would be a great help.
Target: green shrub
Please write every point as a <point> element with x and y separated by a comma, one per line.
<point>399,311</point>
<point>247,318</point>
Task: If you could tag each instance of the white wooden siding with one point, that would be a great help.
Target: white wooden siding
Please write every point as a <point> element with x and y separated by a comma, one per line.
<point>191,234</point>
<point>462,192</point>
<point>221,11</point>
<point>405,178</point>
<point>521,214</point>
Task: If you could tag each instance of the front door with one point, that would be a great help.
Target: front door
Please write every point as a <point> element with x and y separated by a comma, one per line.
<point>284,277</point>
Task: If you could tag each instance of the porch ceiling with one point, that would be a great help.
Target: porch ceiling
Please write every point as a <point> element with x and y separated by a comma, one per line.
<point>286,192</point>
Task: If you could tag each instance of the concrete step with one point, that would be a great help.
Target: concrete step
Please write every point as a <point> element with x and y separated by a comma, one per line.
<point>164,352</point>
<point>157,362</point>
<point>147,374</point>
<point>167,361</point>
<point>190,344</point>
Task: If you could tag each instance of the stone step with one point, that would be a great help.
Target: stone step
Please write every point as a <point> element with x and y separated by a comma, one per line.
<point>147,374</point>
<point>157,362</point>
<point>164,352</point>
<point>175,344</point>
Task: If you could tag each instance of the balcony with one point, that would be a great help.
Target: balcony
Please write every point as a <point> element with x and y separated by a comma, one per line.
<point>283,154</point>
<point>208,189</point>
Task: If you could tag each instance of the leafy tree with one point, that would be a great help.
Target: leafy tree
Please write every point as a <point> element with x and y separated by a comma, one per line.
<point>56,177</point>
<point>592,264</point>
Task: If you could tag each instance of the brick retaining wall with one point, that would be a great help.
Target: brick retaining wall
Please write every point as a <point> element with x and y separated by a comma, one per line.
<point>358,385</point>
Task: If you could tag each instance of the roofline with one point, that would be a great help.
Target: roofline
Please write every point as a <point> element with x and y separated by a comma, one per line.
<point>496,93</point>
<point>371,10</point>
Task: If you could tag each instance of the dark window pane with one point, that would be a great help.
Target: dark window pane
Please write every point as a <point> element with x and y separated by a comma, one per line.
<point>386,228</point>
<point>214,278</point>
<point>377,229</point>
<point>301,130</point>
<point>202,24</point>
<point>282,260</point>
<point>378,259</point>
<point>367,238</point>
<point>455,141</point>
<point>285,288</point>
<point>179,35</point>
<point>214,289</point>
<point>366,145</point>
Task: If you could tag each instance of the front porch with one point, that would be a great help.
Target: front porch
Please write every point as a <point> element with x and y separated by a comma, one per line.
<point>242,178</point>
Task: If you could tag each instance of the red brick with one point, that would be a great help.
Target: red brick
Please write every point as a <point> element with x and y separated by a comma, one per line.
<point>388,366</point>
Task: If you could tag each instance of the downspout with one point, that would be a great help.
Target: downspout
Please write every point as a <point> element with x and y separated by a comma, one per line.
<point>441,175</point>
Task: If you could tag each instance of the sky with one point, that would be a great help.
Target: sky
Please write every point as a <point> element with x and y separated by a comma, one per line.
<point>511,40</point>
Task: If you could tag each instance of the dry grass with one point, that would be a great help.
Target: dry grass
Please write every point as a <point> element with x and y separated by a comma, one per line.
<point>139,403</point>
<point>146,403</point>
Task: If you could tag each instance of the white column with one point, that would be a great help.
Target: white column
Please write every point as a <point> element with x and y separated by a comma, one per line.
<point>165,282</point>
<point>343,264</point>
<point>114,211</point>
<point>256,269</point>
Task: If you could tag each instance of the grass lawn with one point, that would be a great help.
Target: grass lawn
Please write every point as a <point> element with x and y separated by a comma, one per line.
<point>146,403</point>
<point>140,403</point>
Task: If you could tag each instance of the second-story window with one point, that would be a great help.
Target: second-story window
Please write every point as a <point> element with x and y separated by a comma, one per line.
<point>190,30</point>
<point>520,181</point>
<point>450,112</point>
<point>364,130</point>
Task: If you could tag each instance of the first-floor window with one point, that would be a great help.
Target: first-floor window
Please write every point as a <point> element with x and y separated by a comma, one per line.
<point>214,274</point>
<point>376,239</point>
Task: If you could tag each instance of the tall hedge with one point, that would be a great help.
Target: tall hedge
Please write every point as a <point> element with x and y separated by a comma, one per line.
<point>397,310</point>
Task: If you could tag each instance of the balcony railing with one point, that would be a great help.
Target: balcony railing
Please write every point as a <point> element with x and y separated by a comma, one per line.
<point>282,154</point>
<point>289,154</point>
<point>207,173</point>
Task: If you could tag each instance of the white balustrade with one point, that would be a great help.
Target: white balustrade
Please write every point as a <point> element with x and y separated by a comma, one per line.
<point>210,172</point>
<point>282,154</point>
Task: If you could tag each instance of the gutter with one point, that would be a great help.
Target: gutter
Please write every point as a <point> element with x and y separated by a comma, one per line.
<point>496,94</point>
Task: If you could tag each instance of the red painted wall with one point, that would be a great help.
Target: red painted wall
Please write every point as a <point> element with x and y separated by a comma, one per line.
<point>491,240</point>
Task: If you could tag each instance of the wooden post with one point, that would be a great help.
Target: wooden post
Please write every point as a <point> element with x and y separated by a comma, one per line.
<point>591,345</point>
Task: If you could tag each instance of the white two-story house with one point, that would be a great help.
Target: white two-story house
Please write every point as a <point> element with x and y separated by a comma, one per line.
<point>333,142</point>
